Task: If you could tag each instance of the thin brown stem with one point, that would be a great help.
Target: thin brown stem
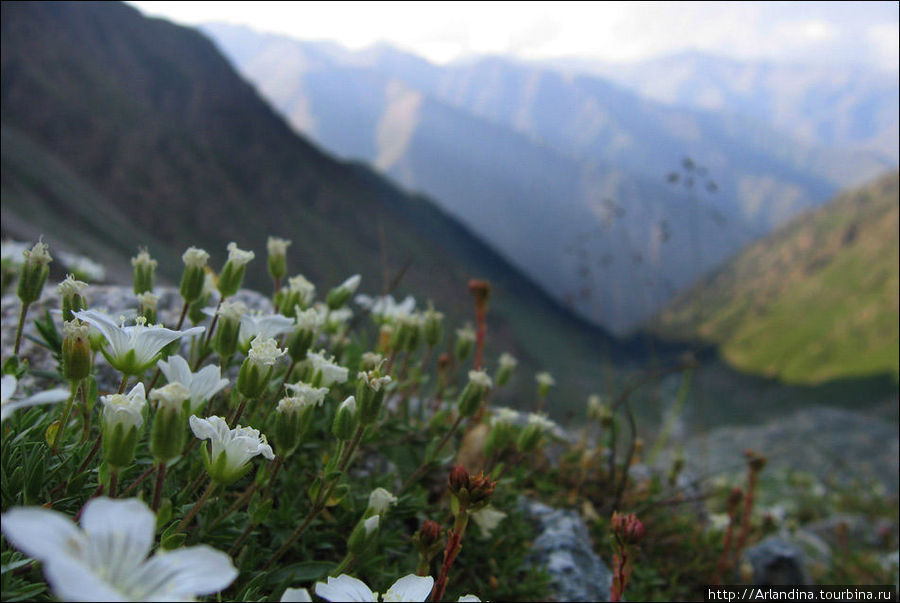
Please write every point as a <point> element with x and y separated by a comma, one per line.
<point>187,519</point>
<point>157,492</point>
<point>424,466</point>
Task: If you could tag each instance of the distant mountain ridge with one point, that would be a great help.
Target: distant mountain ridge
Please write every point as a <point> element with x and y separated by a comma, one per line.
<point>816,300</point>
<point>564,175</point>
<point>121,131</point>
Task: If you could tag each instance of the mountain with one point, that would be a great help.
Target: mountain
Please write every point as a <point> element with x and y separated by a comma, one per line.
<point>815,301</point>
<point>120,131</point>
<point>837,105</point>
<point>564,175</point>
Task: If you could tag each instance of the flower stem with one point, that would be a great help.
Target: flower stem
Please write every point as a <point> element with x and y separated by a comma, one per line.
<point>135,483</point>
<point>187,519</point>
<point>344,565</point>
<point>123,384</point>
<point>113,481</point>
<point>424,466</point>
<point>160,478</point>
<point>454,546</point>
<point>19,328</point>
<point>65,417</point>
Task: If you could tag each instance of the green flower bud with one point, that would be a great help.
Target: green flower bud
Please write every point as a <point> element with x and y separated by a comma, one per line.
<point>345,420</point>
<point>122,420</point>
<point>70,291</point>
<point>144,272</point>
<point>232,276</point>
<point>507,365</point>
<point>339,296</point>
<point>473,393</point>
<point>292,420</point>
<point>228,328</point>
<point>434,327</point>
<point>370,395</point>
<point>363,534</point>
<point>277,249</point>
<point>193,278</point>
<point>465,341</point>
<point>34,272</point>
<point>168,433</point>
<point>529,438</point>
<point>147,304</point>
<point>76,351</point>
<point>544,381</point>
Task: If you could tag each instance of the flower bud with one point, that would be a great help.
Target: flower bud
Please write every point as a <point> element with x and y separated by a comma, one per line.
<point>380,500</point>
<point>122,419</point>
<point>433,327</point>
<point>370,361</point>
<point>257,367</point>
<point>277,249</point>
<point>293,416</point>
<point>299,293</point>
<point>76,351</point>
<point>168,433</point>
<point>35,270</point>
<point>465,341</point>
<point>473,393</point>
<point>544,381</point>
<point>363,534</point>
<point>508,364</point>
<point>481,291</point>
<point>70,291</point>
<point>470,492</point>
<point>429,540</point>
<point>338,296</point>
<point>232,276</point>
<point>345,419</point>
<point>194,276</point>
<point>755,460</point>
<point>147,304</point>
<point>228,329</point>
<point>144,272</point>
<point>370,395</point>
<point>627,528</point>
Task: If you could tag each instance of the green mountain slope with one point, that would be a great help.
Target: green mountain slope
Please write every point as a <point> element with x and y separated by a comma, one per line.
<point>815,301</point>
<point>121,131</point>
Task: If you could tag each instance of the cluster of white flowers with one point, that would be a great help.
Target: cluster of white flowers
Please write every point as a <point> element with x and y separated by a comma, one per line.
<point>331,373</point>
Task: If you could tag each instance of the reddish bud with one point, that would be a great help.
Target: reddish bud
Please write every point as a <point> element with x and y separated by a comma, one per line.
<point>459,479</point>
<point>627,528</point>
<point>755,460</point>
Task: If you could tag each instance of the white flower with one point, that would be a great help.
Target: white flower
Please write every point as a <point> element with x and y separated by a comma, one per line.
<point>505,415</point>
<point>373,382</point>
<point>308,320</point>
<point>70,287</point>
<point>238,256</point>
<point>303,288</point>
<point>541,421</point>
<point>487,519</point>
<point>385,307</point>
<point>468,599</point>
<point>170,396</point>
<point>262,327</point>
<point>349,404</point>
<point>331,372</point>
<point>132,349</point>
<point>307,394</point>
<point>143,260</point>
<point>203,385</point>
<point>123,409</point>
<point>106,559</point>
<point>195,258</point>
<point>230,310</point>
<point>480,378</point>
<point>351,284</point>
<point>277,246</point>
<point>8,406</point>
<point>508,361</point>
<point>545,379</point>
<point>147,300</point>
<point>296,595</point>
<point>380,500</point>
<point>371,524</point>
<point>238,446</point>
<point>348,588</point>
<point>264,351</point>
<point>466,333</point>
<point>39,254</point>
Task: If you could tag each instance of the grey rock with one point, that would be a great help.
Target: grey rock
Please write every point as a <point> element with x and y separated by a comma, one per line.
<point>563,547</point>
<point>777,561</point>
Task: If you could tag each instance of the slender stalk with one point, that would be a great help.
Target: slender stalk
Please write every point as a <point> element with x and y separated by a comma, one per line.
<point>240,540</point>
<point>19,328</point>
<point>454,546</point>
<point>135,483</point>
<point>187,519</point>
<point>160,478</point>
<point>123,384</point>
<point>184,311</point>
<point>424,466</point>
<point>113,481</point>
<point>344,565</point>
<point>65,417</point>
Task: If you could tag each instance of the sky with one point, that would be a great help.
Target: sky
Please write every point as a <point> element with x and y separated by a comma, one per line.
<point>864,33</point>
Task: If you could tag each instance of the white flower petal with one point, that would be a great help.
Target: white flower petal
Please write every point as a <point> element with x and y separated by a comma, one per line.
<point>344,588</point>
<point>47,397</point>
<point>469,599</point>
<point>7,388</point>
<point>176,369</point>
<point>121,534</point>
<point>114,334</point>
<point>72,580</point>
<point>42,533</point>
<point>410,588</point>
<point>296,595</point>
<point>184,573</point>
<point>150,340</point>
